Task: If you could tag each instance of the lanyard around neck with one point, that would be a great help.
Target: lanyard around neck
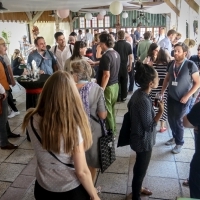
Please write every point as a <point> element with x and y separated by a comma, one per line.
<point>176,75</point>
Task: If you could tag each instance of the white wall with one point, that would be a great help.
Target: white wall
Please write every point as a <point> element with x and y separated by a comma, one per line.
<point>16,31</point>
<point>47,30</point>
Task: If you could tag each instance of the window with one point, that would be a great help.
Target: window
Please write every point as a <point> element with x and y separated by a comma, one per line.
<point>82,22</point>
<point>87,23</point>
<point>107,21</point>
<point>100,23</point>
<point>129,30</point>
<point>149,29</point>
<point>156,32</point>
<point>142,31</point>
<point>94,22</point>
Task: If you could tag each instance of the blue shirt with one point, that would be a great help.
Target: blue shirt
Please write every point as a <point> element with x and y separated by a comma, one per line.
<point>166,44</point>
<point>137,35</point>
<point>46,64</point>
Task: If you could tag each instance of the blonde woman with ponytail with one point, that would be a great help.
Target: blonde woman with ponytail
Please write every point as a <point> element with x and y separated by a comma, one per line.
<point>60,122</point>
<point>17,60</point>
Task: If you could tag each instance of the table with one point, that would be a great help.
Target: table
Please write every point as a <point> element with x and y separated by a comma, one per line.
<point>33,90</point>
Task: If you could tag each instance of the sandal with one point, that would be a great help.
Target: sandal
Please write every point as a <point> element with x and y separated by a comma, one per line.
<point>163,130</point>
<point>186,182</point>
<point>146,191</point>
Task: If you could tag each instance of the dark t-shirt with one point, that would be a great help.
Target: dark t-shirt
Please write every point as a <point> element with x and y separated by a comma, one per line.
<point>124,50</point>
<point>194,119</point>
<point>196,60</point>
<point>110,61</point>
<point>184,79</point>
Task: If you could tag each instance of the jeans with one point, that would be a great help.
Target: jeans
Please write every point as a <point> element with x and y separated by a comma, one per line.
<point>139,172</point>
<point>10,102</point>
<point>192,102</point>
<point>123,81</point>
<point>131,79</point>
<point>111,94</point>
<point>3,121</point>
<point>194,183</point>
<point>176,112</point>
<point>74,194</point>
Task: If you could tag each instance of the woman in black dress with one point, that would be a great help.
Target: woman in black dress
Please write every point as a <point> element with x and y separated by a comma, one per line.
<point>143,125</point>
<point>17,60</point>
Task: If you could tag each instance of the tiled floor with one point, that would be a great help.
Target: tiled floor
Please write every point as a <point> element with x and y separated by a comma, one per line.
<point>164,177</point>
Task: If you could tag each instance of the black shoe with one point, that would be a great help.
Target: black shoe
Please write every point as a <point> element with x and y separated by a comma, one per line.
<point>9,146</point>
<point>12,135</point>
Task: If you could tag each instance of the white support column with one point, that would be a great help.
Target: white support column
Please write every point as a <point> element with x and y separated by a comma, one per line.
<point>184,13</point>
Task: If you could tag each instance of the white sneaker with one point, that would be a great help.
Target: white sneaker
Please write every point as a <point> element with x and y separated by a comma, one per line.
<point>170,142</point>
<point>12,114</point>
<point>17,113</point>
<point>177,149</point>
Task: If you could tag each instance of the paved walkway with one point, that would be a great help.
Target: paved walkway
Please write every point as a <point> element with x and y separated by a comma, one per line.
<point>164,176</point>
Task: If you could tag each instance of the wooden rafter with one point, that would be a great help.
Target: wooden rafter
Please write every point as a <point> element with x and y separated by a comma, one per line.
<point>37,16</point>
<point>193,5</point>
<point>172,6</point>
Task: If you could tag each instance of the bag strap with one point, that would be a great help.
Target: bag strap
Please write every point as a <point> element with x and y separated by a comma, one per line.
<point>38,137</point>
<point>42,60</point>
<point>70,48</point>
<point>55,50</point>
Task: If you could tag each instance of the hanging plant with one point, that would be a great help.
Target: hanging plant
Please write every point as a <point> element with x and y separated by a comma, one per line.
<point>6,36</point>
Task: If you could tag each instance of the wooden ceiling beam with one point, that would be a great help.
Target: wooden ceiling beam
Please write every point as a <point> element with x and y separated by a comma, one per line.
<point>173,7</point>
<point>37,16</point>
<point>29,15</point>
<point>193,5</point>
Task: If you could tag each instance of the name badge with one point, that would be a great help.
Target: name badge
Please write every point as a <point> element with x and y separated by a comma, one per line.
<point>174,83</point>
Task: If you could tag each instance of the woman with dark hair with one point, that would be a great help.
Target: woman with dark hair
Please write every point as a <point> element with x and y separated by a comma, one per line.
<point>160,66</point>
<point>79,52</point>
<point>152,53</point>
<point>143,125</point>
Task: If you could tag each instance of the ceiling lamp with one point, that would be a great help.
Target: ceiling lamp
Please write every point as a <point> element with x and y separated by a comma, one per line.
<point>102,12</point>
<point>88,16</point>
<point>1,7</point>
<point>63,13</point>
<point>116,7</point>
<point>125,15</point>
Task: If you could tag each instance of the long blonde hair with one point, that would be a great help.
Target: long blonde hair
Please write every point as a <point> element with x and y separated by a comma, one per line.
<point>16,54</point>
<point>62,113</point>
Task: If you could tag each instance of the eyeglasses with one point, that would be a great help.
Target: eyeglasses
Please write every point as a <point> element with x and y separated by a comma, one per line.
<point>198,49</point>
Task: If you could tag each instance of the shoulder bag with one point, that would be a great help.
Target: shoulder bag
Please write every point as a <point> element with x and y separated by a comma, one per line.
<point>106,146</point>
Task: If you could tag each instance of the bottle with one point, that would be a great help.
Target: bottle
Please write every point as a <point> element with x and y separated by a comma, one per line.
<point>158,97</point>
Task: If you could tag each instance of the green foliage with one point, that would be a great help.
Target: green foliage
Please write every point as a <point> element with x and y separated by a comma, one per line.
<point>6,36</point>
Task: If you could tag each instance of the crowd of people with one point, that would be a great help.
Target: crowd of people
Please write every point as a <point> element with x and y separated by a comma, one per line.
<point>88,75</point>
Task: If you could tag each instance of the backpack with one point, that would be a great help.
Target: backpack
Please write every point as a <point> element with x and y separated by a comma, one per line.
<point>125,132</point>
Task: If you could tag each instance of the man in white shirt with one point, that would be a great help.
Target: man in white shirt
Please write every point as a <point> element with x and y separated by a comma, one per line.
<point>61,51</point>
<point>161,35</point>
<point>88,38</point>
<point>166,43</point>
<point>80,35</point>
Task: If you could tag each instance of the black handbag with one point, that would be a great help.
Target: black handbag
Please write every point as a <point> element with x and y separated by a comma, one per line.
<point>125,131</point>
<point>106,146</point>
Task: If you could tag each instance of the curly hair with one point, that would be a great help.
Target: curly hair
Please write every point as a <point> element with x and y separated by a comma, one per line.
<point>144,75</point>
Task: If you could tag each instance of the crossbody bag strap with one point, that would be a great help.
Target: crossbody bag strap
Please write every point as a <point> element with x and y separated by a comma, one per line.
<point>42,60</point>
<point>39,138</point>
